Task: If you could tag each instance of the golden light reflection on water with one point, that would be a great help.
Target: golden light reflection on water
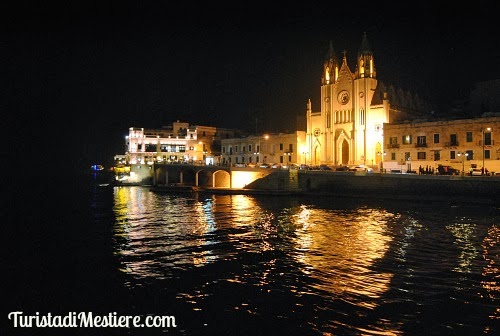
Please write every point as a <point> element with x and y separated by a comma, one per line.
<point>336,249</point>
<point>205,224</point>
<point>341,253</point>
<point>464,234</point>
<point>153,233</point>
<point>491,271</point>
<point>354,256</point>
<point>411,228</point>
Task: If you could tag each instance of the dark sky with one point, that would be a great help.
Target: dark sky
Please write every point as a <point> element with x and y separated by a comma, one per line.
<point>79,73</point>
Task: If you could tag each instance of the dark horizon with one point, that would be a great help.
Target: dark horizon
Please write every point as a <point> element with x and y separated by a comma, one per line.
<point>87,72</point>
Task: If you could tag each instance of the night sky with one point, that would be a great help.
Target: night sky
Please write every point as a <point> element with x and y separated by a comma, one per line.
<point>78,74</point>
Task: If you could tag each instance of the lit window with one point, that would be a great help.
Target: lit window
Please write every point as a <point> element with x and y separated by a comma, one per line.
<point>406,139</point>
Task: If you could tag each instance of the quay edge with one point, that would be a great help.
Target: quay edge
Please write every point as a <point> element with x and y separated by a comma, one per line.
<point>412,187</point>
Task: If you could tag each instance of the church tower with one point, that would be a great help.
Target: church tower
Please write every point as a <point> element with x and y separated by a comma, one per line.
<point>330,67</point>
<point>348,129</point>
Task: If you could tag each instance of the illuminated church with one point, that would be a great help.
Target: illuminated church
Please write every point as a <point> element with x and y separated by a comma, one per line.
<point>348,129</point>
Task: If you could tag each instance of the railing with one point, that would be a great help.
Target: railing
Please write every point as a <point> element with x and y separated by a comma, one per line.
<point>486,143</point>
<point>418,145</point>
<point>451,143</point>
<point>392,145</point>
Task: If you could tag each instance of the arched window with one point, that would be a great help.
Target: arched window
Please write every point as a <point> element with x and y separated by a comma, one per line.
<point>362,117</point>
<point>328,119</point>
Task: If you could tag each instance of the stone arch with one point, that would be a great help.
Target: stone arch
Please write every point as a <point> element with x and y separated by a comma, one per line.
<point>343,149</point>
<point>378,153</point>
<point>221,178</point>
<point>316,152</point>
<point>345,152</point>
<point>204,178</point>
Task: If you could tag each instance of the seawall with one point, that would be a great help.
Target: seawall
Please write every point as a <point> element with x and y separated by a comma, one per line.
<point>474,189</point>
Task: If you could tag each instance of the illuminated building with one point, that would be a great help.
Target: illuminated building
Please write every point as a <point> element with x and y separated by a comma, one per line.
<point>178,143</point>
<point>461,143</point>
<point>282,148</point>
<point>351,128</point>
<point>348,129</point>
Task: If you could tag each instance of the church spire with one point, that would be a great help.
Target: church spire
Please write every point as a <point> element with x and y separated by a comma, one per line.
<point>366,65</point>
<point>365,46</point>
<point>330,67</point>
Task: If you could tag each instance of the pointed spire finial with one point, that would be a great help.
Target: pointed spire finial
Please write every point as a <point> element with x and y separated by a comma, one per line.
<point>331,53</point>
<point>365,46</point>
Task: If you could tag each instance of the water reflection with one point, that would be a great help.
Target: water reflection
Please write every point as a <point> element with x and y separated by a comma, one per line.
<point>152,232</point>
<point>203,229</point>
<point>491,271</point>
<point>464,233</point>
<point>339,249</point>
<point>349,268</point>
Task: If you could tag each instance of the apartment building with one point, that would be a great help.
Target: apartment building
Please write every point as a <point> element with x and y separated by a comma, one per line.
<point>462,144</point>
<point>282,148</point>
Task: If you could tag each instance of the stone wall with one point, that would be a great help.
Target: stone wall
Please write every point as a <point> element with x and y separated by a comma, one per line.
<point>409,186</point>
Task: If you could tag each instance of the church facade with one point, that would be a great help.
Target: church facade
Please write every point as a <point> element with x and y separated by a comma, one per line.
<point>348,128</point>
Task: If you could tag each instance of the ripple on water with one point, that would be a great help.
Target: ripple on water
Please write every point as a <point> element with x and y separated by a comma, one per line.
<point>343,268</point>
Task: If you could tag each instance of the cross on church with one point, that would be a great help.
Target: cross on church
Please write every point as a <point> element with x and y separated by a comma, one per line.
<point>344,52</point>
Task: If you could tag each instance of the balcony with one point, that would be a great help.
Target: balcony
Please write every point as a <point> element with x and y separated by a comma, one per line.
<point>451,144</point>
<point>486,143</point>
<point>420,145</point>
<point>392,145</point>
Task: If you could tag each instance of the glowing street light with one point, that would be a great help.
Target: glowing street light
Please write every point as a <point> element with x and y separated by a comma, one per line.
<point>488,129</point>
<point>464,155</point>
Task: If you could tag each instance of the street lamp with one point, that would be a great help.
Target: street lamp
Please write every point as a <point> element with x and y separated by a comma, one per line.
<point>305,156</point>
<point>382,155</point>
<point>266,149</point>
<point>483,130</point>
<point>464,155</point>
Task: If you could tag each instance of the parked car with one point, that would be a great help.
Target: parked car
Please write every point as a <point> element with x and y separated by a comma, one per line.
<point>251,165</point>
<point>362,168</point>
<point>342,168</point>
<point>304,167</point>
<point>447,170</point>
<point>324,167</point>
<point>276,165</point>
<point>240,165</point>
<point>475,172</point>
<point>264,165</point>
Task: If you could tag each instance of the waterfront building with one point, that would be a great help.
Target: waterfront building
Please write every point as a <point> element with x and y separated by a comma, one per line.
<point>176,143</point>
<point>282,148</point>
<point>462,144</point>
<point>361,121</point>
<point>348,128</point>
